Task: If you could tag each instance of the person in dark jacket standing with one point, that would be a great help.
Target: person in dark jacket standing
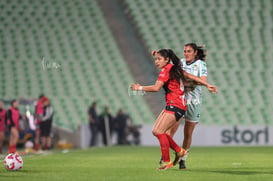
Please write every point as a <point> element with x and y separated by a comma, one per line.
<point>46,124</point>
<point>121,125</point>
<point>93,123</point>
<point>105,125</point>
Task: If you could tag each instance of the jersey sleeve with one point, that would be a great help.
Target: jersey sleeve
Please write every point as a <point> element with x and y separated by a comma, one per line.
<point>203,69</point>
<point>164,75</point>
<point>47,114</point>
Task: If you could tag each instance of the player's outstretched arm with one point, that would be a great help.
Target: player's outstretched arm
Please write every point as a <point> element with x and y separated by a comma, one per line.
<point>151,88</point>
<point>211,88</point>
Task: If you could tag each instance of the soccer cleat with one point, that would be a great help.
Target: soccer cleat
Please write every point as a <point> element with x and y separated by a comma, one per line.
<point>179,155</point>
<point>165,166</point>
<point>182,165</point>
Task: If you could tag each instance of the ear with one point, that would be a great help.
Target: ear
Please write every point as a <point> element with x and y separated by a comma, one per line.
<point>195,53</point>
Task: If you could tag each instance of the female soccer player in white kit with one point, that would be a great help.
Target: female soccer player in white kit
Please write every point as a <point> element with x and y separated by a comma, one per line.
<point>193,63</point>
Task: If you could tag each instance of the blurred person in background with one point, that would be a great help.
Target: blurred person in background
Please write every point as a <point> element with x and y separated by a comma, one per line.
<point>39,111</point>
<point>93,123</point>
<point>106,125</point>
<point>133,130</point>
<point>2,125</point>
<point>120,126</point>
<point>13,117</point>
<point>46,124</point>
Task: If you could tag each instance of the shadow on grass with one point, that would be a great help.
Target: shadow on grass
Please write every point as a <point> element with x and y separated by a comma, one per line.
<point>17,174</point>
<point>231,172</point>
<point>241,172</point>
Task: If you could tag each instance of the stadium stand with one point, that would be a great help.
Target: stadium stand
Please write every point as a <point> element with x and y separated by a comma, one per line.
<point>238,35</point>
<point>65,50</point>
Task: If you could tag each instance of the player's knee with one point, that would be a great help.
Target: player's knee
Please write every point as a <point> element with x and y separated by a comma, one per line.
<point>155,132</point>
<point>16,136</point>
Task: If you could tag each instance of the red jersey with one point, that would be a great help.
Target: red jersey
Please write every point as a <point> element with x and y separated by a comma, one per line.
<point>2,119</point>
<point>39,111</point>
<point>13,119</point>
<point>174,91</point>
<point>39,108</point>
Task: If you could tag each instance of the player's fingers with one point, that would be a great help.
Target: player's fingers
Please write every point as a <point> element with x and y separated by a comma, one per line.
<point>215,89</point>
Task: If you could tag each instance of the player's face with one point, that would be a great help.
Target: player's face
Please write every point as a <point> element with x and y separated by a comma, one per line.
<point>1,104</point>
<point>16,104</point>
<point>189,53</point>
<point>160,61</point>
<point>46,103</point>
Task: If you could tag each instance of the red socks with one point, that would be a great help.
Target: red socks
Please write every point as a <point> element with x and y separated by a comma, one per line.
<point>12,148</point>
<point>36,147</point>
<point>45,147</point>
<point>165,143</point>
<point>173,144</point>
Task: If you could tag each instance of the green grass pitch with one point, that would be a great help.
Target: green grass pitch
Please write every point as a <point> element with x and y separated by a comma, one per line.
<point>140,163</point>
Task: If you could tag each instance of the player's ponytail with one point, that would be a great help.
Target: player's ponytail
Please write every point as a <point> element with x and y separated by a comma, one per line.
<point>176,71</point>
<point>201,52</point>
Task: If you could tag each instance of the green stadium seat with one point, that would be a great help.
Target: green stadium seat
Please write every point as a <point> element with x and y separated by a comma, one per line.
<point>71,36</point>
<point>225,30</point>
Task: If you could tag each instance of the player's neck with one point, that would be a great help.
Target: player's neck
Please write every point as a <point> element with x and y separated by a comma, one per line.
<point>190,61</point>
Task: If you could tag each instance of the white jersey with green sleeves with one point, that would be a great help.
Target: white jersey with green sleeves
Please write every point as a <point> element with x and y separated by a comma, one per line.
<point>199,69</point>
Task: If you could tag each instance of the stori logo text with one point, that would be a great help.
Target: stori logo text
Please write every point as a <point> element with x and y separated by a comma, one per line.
<point>246,136</point>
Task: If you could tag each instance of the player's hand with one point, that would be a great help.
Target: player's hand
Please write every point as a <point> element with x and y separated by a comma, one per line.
<point>135,86</point>
<point>153,52</point>
<point>212,88</point>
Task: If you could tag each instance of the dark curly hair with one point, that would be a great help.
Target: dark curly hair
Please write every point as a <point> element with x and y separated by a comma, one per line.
<point>201,52</point>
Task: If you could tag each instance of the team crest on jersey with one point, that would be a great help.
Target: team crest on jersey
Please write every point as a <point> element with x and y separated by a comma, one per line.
<point>195,68</point>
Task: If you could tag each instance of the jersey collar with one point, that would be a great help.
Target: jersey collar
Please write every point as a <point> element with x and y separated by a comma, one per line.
<point>191,62</point>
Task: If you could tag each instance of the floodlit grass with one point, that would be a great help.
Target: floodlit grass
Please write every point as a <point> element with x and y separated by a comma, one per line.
<point>140,163</point>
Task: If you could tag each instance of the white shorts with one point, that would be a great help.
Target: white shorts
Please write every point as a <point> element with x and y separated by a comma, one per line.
<point>193,112</point>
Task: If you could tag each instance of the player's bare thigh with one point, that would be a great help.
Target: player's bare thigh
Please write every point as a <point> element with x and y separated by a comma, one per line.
<point>174,128</point>
<point>2,135</point>
<point>164,122</point>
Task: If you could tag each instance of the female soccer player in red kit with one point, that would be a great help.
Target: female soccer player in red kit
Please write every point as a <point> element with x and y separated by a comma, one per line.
<point>13,116</point>
<point>172,79</point>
